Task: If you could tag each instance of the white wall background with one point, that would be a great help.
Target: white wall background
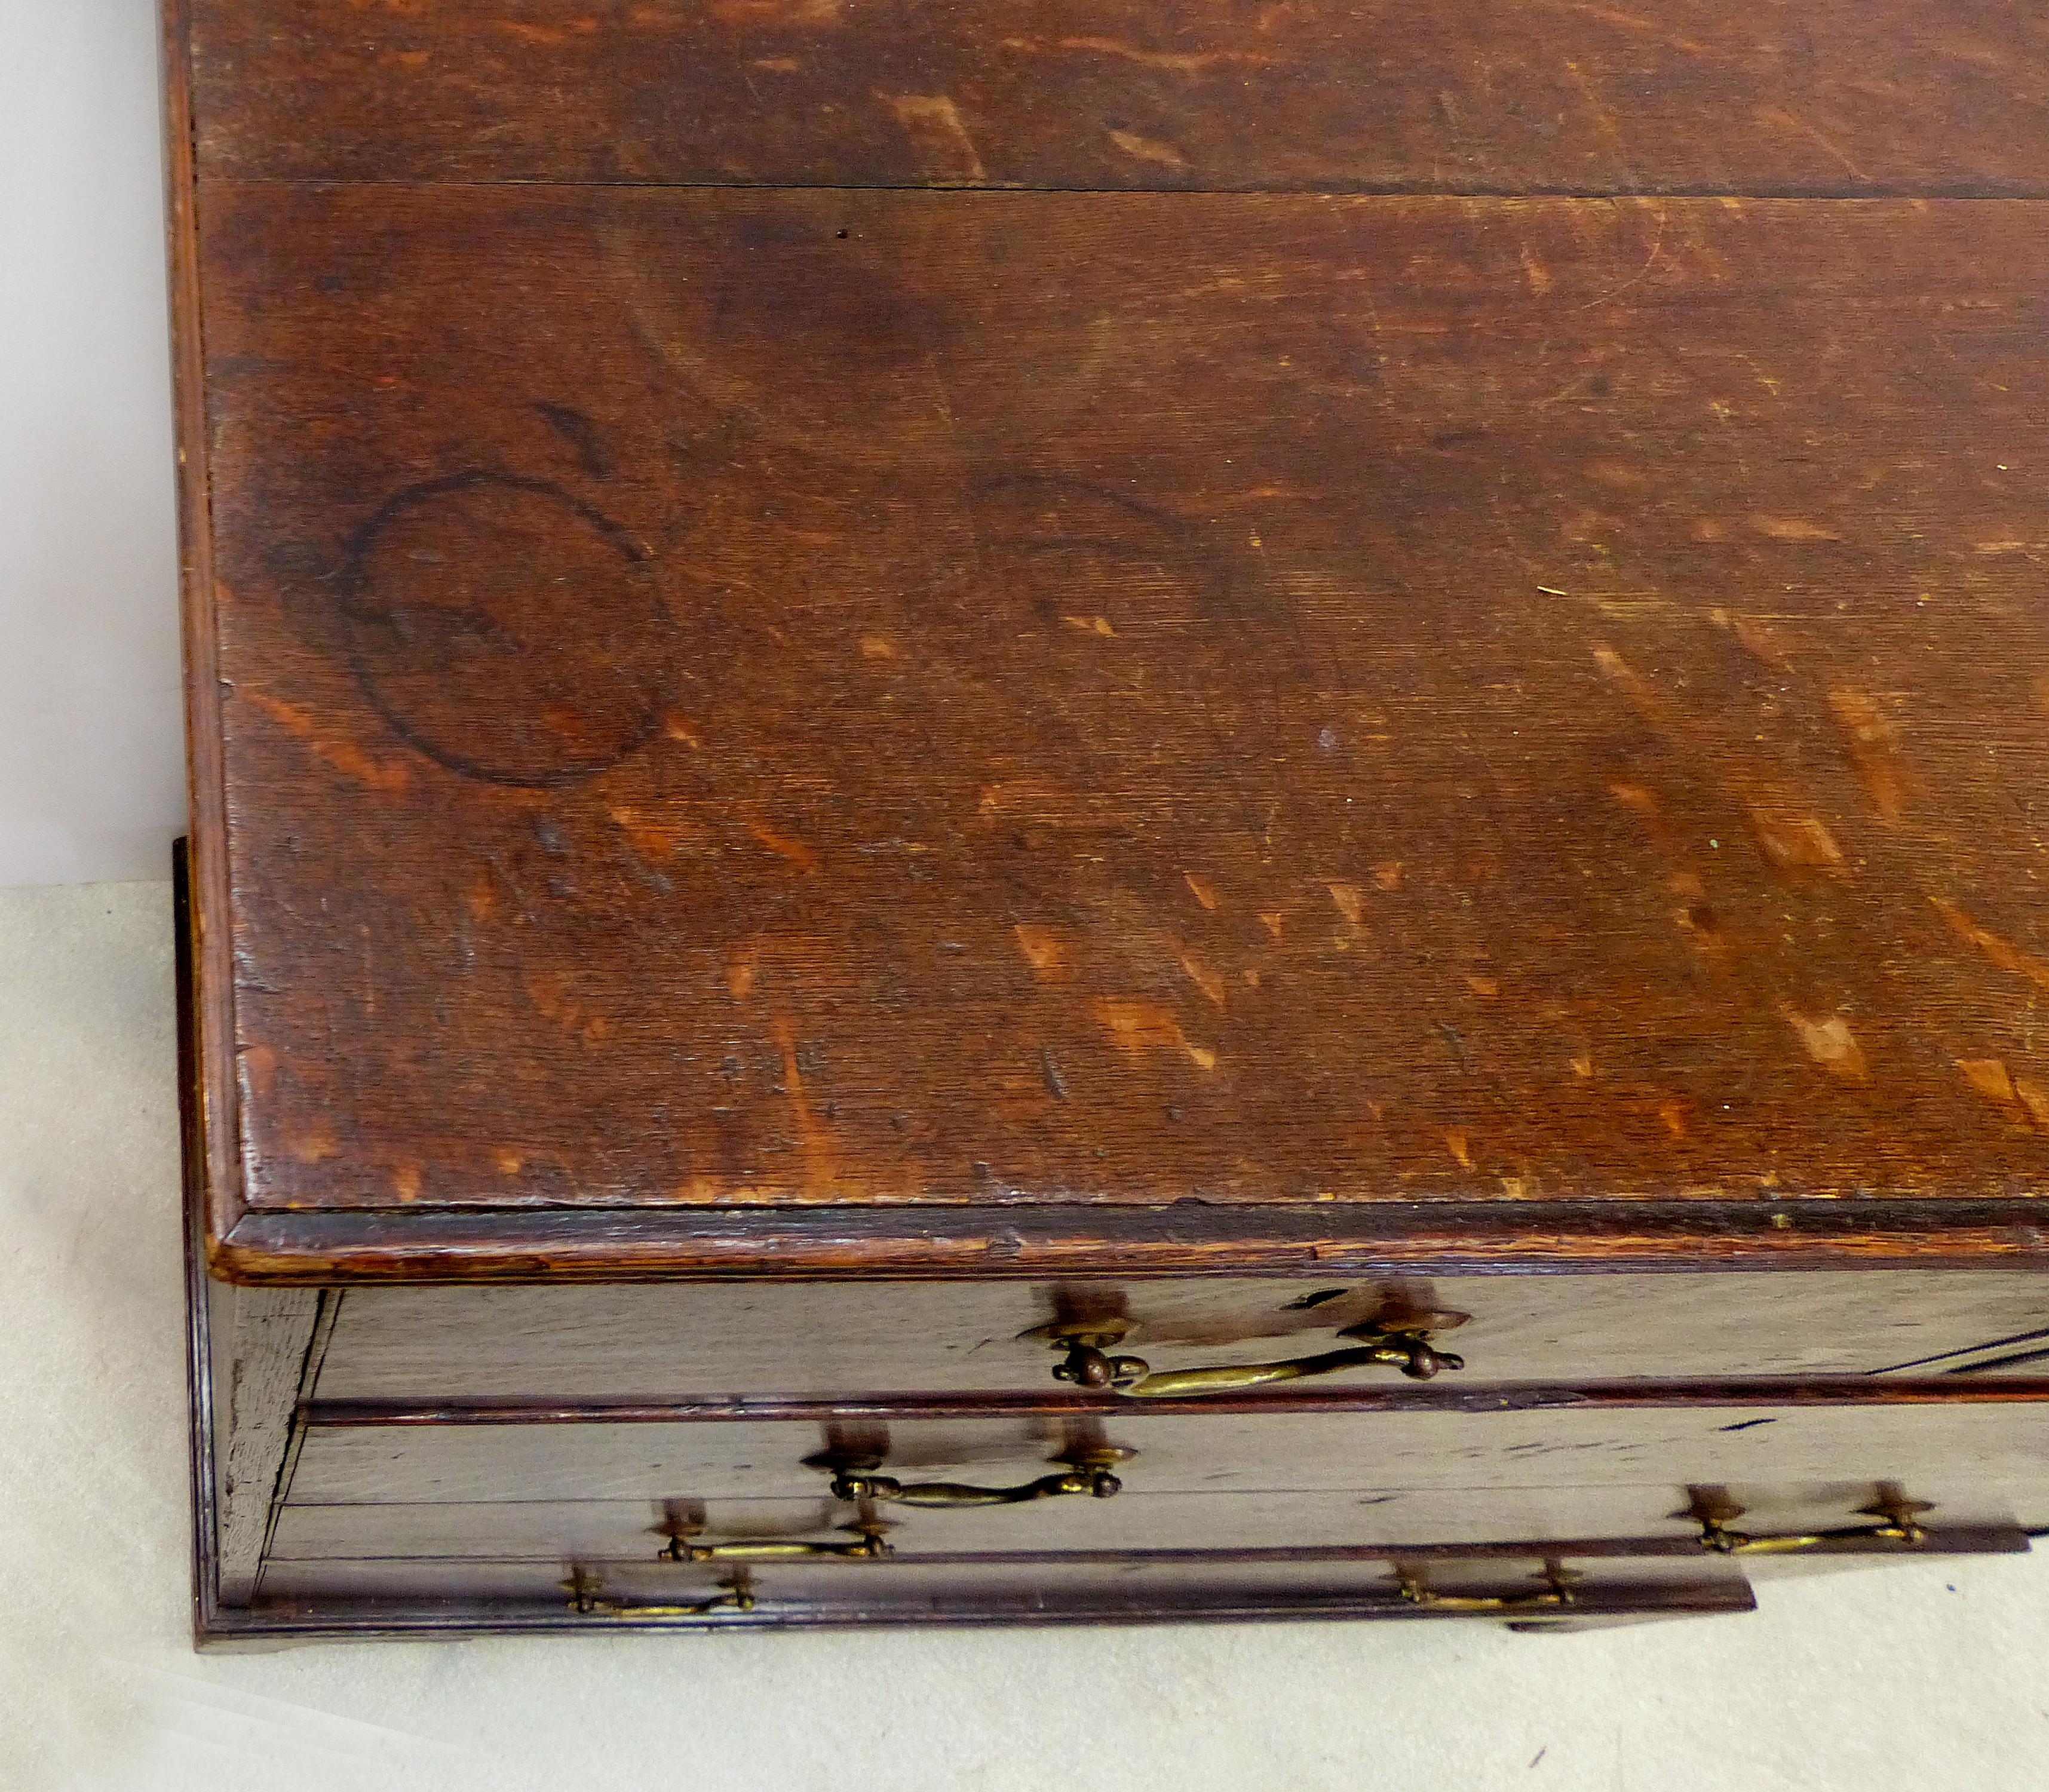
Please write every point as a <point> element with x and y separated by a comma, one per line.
<point>91,742</point>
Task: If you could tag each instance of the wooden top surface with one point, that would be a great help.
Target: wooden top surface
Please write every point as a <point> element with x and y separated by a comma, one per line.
<point>1349,695</point>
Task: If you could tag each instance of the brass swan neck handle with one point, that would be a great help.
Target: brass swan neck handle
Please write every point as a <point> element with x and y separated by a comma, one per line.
<point>1896,1522</point>
<point>1087,1473</point>
<point>586,1593</point>
<point>1400,1341</point>
<point>866,1544</point>
<point>1556,1591</point>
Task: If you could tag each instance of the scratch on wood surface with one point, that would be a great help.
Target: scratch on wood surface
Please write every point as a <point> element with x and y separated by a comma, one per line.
<point>1624,21</point>
<point>545,36</point>
<point>1829,1042</point>
<point>1779,117</point>
<point>1637,797</point>
<point>1755,638</point>
<point>783,845</point>
<point>1179,62</point>
<point>314,1144</point>
<point>1793,529</point>
<point>1794,842</point>
<point>1137,1024</point>
<point>1205,892</point>
<point>820,1167</point>
<point>1146,148</point>
<point>2002,952</point>
<point>2021,1098</point>
<point>771,12</point>
<point>933,123</point>
<point>1874,751</point>
<point>742,965</point>
<point>391,775</point>
<point>1204,976</point>
<point>1637,278</point>
<point>1044,949</point>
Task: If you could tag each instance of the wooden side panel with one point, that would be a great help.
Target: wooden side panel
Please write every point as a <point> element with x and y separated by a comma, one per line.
<point>266,1345</point>
<point>1846,95</point>
<point>822,1340</point>
<point>631,1531</point>
<point>1220,1452</point>
<point>1014,697</point>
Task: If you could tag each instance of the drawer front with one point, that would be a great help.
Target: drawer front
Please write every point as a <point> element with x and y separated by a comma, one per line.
<point>820,1340</point>
<point>345,1464</point>
<point>1517,1588</point>
<point>1592,1520</point>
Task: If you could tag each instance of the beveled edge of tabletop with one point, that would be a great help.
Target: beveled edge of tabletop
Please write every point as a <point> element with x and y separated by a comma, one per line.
<point>981,1241</point>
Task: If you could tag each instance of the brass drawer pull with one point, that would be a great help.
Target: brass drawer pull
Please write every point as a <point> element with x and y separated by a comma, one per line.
<point>583,1590</point>
<point>1087,1473</point>
<point>1895,1522</point>
<point>1557,1590</point>
<point>865,1545</point>
<point>1402,1344</point>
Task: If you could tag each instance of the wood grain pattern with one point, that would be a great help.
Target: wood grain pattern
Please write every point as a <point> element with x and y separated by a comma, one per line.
<point>269,1343</point>
<point>1202,1452</point>
<point>818,1341</point>
<point>1660,95</point>
<point>1558,733</point>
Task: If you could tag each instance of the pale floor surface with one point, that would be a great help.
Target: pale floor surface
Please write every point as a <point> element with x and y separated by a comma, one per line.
<point>1918,1677</point>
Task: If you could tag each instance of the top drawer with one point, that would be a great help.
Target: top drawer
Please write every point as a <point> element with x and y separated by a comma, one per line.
<point>821,1340</point>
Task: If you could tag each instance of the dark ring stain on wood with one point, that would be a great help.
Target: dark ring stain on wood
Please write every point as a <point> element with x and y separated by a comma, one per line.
<point>505,629</point>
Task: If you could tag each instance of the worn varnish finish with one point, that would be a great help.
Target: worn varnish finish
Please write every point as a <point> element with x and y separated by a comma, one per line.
<point>1026,647</point>
<point>1128,697</point>
<point>1671,94</point>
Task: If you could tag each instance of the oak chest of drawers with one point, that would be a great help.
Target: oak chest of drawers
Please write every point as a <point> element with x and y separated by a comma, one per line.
<point>1040,812</point>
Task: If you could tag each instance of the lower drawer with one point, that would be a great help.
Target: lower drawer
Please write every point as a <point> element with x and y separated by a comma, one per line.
<point>1609,1520</point>
<point>1326,1451</point>
<point>399,1596</point>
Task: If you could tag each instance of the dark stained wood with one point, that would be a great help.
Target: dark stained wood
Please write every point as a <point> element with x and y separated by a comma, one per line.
<point>1562,730</point>
<point>420,1245</point>
<point>1842,95</point>
<point>206,1019</point>
<point>453,1598</point>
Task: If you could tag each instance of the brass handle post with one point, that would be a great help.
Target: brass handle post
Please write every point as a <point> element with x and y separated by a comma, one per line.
<point>1403,1344</point>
